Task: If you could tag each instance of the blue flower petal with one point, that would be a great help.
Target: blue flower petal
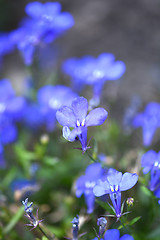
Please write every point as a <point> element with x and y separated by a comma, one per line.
<point>101,188</point>
<point>71,135</point>
<point>112,234</point>
<point>147,161</point>
<point>114,178</point>
<point>115,71</point>
<point>94,171</point>
<point>66,117</point>
<point>96,117</point>
<point>89,198</point>
<point>80,108</point>
<point>6,90</point>
<point>128,181</point>
<point>126,237</point>
<point>16,108</point>
<point>148,133</point>
<point>34,9</point>
<point>8,134</point>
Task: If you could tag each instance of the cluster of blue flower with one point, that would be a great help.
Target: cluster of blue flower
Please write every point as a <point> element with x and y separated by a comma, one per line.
<point>43,24</point>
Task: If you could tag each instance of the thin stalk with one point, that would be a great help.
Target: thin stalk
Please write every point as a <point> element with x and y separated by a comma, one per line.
<point>42,231</point>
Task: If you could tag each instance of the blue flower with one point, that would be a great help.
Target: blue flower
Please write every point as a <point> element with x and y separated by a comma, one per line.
<point>92,71</point>
<point>151,163</point>
<point>102,223</point>
<point>76,117</point>
<point>113,185</point>
<point>23,187</point>
<point>75,227</point>
<point>50,19</point>
<point>50,99</point>
<point>113,234</point>
<point>11,110</point>
<point>86,183</point>
<point>34,221</point>
<point>149,120</point>
<point>34,116</point>
<point>44,24</point>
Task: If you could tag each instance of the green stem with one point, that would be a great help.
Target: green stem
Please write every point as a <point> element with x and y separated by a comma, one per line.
<point>124,226</point>
<point>49,238</point>
<point>90,156</point>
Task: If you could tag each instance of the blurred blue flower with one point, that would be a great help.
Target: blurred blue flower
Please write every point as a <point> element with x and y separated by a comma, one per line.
<point>44,24</point>
<point>93,71</point>
<point>114,234</point>
<point>11,110</point>
<point>149,120</point>
<point>33,117</point>
<point>86,183</point>
<point>113,185</point>
<point>50,99</point>
<point>23,187</point>
<point>151,163</point>
<point>50,19</point>
<point>130,113</point>
<point>76,117</point>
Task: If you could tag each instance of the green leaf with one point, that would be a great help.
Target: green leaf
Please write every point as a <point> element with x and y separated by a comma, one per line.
<point>14,220</point>
<point>106,206</point>
<point>134,220</point>
<point>146,191</point>
<point>50,161</point>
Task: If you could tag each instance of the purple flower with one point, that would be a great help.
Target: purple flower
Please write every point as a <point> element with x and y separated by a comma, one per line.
<point>113,185</point>
<point>92,71</point>
<point>149,120</point>
<point>11,110</point>
<point>114,234</point>
<point>34,221</point>
<point>44,24</point>
<point>50,99</point>
<point>76,117</point>
<point>23,187</point>
<point>86,183</point>
<point>50,19</point>
<point>151,163</point>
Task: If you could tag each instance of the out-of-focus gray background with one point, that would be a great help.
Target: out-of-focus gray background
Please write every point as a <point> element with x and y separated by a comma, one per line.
<point>128,28</point>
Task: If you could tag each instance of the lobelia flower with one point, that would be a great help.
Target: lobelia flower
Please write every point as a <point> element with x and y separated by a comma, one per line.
<point>75,227</point>
<point>114,234</point>
<point>86,183</point>
<point>23,187</point>
<point>93,71</point>
<point>44,24</point>
<point>34,222</point>
<point>113,185</point>
<point>151,163</point>
<point>76,117</point>
<point>11,110</point>
<point>50,99</point>
<point>149,120</point>
<point>102,223</point>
